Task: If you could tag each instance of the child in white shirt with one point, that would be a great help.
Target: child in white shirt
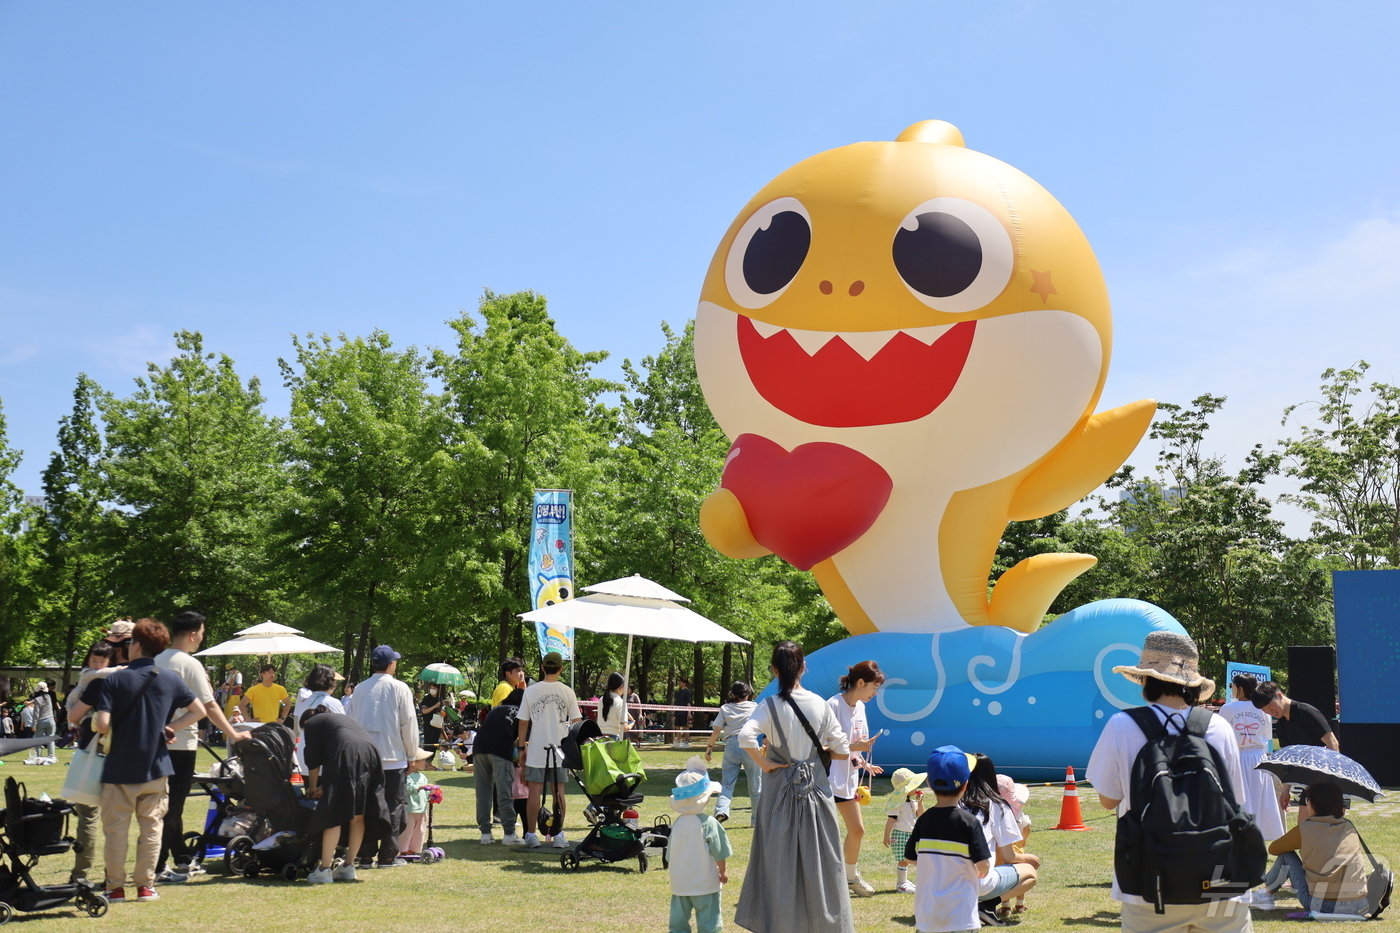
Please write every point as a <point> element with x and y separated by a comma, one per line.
<point>905,806</point>
<point>697,853</point>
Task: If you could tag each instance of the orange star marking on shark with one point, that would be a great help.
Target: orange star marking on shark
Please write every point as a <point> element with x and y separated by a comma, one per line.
<point>1042,285</point>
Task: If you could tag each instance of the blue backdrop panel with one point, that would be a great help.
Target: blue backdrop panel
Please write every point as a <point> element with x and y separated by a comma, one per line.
<point>1368,644</point>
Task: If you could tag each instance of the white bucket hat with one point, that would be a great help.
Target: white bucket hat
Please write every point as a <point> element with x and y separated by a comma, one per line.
<point>693,787</point>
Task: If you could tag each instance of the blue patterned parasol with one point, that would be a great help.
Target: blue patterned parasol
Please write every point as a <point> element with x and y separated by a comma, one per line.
<point>1313,764</point>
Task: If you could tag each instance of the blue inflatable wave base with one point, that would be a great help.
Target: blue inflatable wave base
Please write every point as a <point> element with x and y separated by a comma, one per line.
<point>1035,703</point>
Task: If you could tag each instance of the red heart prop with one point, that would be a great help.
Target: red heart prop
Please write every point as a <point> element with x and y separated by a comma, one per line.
<point>808,504</point>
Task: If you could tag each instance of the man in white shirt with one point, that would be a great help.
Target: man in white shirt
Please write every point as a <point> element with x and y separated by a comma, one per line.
<point>547,710</point>
<point>186,635</point>
<point>384,706</point>
<point>1172,684</point>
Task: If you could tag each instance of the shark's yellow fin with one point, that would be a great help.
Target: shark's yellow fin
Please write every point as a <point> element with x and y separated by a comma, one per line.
<point>1082,461</point>
<point>1024,593</point>
<point>843,601</point>
<point>726,527</point>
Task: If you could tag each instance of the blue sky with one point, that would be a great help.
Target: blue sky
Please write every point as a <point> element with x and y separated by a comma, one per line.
<point>255,170</point>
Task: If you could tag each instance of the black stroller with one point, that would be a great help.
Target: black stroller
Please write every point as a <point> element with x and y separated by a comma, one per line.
<point>33,828</point>
<point>278,842</point>
<point>611,836</point>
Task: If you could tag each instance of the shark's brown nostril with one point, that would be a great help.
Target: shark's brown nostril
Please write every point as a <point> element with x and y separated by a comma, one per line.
<point>857,287</point>
<point>825,287</point>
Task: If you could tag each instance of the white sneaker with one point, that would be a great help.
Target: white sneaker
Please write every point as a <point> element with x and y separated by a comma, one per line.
<point>487,839</point>
<point>532,840</point>
<point>905,887</point>
<point>320,876</point>
<point>560,842</point>
<point>860,887</point>
<point>513,840</point>
<point>1260,900</point>
<point>345,872</point>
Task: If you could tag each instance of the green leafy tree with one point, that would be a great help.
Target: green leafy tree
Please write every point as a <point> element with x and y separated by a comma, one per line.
<point>525,412</point>
<point>78,539</point>
<point>365,451</point>
<point>18,559</point>
<point>192,463</point>
<point>1348,464</point>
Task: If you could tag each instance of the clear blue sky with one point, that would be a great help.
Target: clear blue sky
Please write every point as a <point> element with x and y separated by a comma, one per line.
<point>253,170</point>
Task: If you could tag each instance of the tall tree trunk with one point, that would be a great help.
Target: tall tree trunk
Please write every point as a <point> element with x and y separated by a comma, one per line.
<point>726,671</point>
<point>697,688</point>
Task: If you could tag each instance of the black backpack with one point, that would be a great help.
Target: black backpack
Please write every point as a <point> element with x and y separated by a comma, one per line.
<point>1184,839</point>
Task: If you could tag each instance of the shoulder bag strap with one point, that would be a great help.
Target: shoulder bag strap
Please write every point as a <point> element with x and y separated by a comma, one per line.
<point>811,733</point>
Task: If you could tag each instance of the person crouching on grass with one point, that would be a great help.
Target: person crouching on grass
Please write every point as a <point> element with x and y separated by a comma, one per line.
<point>697,853</point>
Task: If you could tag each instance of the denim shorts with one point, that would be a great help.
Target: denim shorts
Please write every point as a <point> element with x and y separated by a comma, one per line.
<point>555,775</point>
<point>997,881</point>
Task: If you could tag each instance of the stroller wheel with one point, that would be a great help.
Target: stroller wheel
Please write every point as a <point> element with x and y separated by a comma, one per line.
<point>194,845</point>
<point>239,858</point>
<point>569,861</point>
<point>6,912</point>
<point>92,903</point>
<point>290,873</point>
<point>641,861</point>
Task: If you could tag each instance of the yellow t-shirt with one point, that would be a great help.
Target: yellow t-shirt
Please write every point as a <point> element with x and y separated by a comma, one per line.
<point>503,690</point>
<point>266,701</point>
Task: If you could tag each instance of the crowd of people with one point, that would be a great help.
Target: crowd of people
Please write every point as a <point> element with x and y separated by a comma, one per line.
<point>956,832</point>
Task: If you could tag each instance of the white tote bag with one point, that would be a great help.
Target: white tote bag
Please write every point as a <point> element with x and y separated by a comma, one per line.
<point>83,783</point>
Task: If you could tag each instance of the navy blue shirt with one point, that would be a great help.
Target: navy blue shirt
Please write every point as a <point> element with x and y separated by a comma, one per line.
<point>137,752</point>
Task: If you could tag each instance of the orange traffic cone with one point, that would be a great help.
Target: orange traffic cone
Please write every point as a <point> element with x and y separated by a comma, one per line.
<point>1070,817</point>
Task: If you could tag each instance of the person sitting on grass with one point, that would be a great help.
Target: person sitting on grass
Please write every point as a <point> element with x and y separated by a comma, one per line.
<point>1323,857</point>
<point>949,849</point>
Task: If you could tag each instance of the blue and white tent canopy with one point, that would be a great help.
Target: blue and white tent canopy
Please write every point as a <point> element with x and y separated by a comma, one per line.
<point>1313,764</point>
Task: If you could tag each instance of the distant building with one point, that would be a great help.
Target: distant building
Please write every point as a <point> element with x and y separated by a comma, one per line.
<point>41,503</point>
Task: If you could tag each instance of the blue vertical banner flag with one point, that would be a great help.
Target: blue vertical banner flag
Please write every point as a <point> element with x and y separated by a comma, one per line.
<point>551,563</point>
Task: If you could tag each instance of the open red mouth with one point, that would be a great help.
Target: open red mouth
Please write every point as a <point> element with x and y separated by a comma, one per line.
<point>838,388</point>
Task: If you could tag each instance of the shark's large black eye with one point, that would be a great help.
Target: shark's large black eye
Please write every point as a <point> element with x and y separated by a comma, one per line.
<point>767,252</point>
<point>953,255</point>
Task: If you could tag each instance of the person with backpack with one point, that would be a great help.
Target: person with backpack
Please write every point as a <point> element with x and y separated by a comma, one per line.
<point>1171,769</point>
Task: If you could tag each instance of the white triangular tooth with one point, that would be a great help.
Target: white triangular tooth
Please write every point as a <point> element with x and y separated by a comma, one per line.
<point>765,330</point>
<point>927,335</point>
<point>867,342</point>
<point>811,340</point>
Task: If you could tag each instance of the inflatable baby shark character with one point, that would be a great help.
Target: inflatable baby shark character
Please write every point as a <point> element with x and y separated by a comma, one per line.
<point>906,342</point>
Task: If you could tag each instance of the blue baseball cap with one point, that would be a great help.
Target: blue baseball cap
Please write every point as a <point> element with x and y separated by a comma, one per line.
<point>949,768</point>
<point>381,656</point>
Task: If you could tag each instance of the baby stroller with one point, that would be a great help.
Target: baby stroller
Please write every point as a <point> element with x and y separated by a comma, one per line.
<point>33,828</point>
<point>278,843</point>
<point>607,771</point>
<point>227,818</point>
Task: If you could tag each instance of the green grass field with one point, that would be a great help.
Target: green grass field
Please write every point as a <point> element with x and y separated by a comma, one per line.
<point>491,888</point>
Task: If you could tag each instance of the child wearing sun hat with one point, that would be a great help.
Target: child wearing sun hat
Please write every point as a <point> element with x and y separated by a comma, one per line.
<point>905,806</point>
<point>949,848</point>
<point>697,853</point>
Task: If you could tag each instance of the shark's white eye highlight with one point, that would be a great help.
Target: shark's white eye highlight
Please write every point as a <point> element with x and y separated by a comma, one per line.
<point>954,255</point>
<point>767,252</point>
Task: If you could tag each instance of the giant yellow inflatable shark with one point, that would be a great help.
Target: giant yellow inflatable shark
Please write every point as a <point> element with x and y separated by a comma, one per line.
<point>906,342</point>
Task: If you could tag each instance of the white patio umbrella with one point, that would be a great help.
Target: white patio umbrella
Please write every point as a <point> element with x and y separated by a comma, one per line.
<point>633,606</point>
<point>267,638</point>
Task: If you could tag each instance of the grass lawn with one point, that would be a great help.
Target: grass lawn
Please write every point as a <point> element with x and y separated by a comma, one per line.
<point>491,888</point>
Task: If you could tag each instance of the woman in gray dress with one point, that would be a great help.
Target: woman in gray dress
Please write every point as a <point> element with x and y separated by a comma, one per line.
<point>796,879</point>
